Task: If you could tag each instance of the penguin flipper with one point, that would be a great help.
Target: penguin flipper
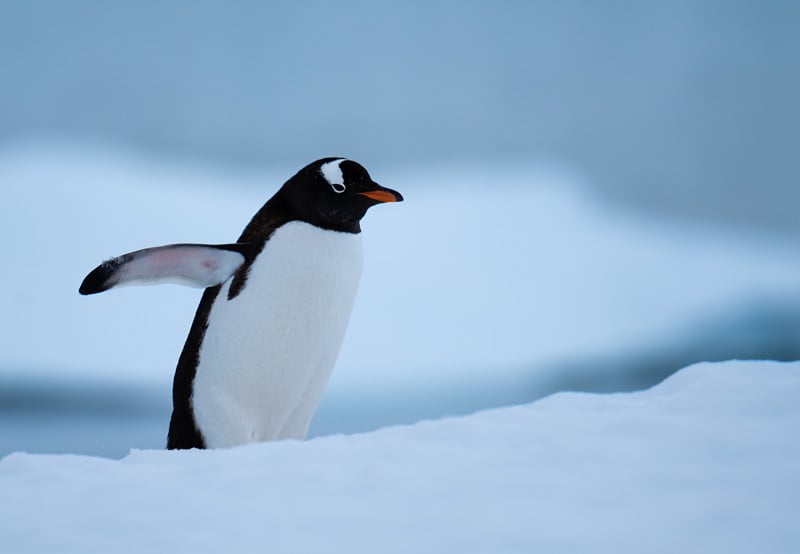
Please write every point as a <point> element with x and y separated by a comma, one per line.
<point>194,265</point>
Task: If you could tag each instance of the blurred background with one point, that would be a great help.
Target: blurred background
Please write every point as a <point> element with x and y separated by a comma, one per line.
<point>598,194</point>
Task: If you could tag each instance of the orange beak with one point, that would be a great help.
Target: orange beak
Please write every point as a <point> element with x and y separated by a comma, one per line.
<point>382,195</point>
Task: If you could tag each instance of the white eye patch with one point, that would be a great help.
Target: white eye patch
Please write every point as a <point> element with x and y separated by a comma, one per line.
<point>333,174</point>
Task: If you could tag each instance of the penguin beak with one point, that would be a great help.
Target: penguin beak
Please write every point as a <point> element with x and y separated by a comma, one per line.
<point>382,194</point>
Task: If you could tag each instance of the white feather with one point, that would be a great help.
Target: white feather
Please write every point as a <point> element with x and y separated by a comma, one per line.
<point>267,354</point>
<point>191,265</point>
<point>333,173</point>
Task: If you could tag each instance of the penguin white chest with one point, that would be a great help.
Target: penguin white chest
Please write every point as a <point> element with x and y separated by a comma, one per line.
<point>267,353</point>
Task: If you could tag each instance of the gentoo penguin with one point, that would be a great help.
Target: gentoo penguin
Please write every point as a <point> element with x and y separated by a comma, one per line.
<point>273,316</point>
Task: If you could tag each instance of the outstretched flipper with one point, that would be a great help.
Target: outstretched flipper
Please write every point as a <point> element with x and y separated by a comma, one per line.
<point>194,265</point>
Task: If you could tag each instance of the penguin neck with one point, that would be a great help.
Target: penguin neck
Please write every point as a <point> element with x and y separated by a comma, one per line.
<point>278,211</point>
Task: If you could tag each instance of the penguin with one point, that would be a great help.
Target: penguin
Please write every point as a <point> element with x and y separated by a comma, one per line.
<point>273,315</point>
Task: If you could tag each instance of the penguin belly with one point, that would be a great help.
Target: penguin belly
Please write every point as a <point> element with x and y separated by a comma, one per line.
<point>267,353</point>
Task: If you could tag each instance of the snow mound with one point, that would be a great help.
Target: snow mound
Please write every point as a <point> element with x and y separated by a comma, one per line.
<point>708,461</point>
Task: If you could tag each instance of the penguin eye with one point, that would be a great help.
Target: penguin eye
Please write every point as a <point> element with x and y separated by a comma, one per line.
<point>338,188</point>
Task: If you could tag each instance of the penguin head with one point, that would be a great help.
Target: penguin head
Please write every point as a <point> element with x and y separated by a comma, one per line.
<point>335,193</point>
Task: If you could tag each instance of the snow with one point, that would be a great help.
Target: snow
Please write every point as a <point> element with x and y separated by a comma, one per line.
<point>707,461</point>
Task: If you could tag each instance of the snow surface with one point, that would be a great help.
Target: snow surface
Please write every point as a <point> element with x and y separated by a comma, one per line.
<point>707,461</point>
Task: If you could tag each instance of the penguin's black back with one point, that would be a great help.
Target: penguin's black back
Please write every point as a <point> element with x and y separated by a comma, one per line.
<point>183,432</point>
